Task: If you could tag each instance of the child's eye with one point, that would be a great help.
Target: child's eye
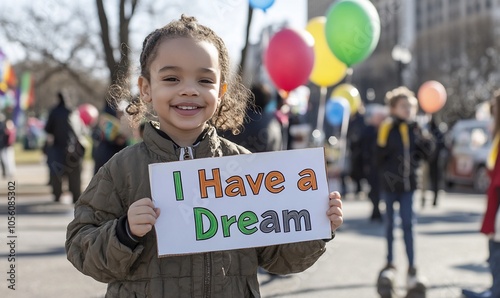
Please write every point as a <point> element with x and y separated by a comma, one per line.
<point>170,79</point>
<point>206,81</point>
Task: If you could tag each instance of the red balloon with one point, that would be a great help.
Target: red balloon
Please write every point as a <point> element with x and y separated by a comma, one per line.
<point>88,114</point>
<point>289,58</point>
<point>431,96</point>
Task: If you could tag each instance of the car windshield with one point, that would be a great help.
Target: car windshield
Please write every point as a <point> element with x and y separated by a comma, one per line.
<point>475,137</point>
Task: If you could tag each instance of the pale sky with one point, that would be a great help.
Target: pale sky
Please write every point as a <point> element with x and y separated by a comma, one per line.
<point>226,17</point>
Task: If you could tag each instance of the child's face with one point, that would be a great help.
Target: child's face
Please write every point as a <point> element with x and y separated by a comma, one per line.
<point>185,85</point>
<point>402,109</point>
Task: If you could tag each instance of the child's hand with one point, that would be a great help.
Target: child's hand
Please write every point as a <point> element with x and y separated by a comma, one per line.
<point>142,215</point>
<point>334,213</point>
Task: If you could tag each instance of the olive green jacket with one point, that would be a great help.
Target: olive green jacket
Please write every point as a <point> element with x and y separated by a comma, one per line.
<point>93,247</point>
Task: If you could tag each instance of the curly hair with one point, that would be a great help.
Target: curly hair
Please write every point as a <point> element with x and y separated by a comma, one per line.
<point>392,97</point>
<point>231,111</point>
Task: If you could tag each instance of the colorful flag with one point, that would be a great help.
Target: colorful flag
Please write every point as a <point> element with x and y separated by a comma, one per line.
<point>9,76</point>
<point>8,79</point>
<point>26,91</point>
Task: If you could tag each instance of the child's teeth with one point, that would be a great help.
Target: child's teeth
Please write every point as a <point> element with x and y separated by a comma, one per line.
<point>187,108</point>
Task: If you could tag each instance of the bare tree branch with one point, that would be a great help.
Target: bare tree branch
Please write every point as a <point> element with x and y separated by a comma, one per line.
<point>247,36</point>
<point>106,43</point>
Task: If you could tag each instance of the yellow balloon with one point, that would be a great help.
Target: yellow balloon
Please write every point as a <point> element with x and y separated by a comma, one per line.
<point>350,93</point>
<point>327,70</point>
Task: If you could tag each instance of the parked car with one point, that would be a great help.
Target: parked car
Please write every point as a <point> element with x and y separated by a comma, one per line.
<point>468,144</point>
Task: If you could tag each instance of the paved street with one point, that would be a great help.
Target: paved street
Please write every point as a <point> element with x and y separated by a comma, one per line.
<point>451,254</point>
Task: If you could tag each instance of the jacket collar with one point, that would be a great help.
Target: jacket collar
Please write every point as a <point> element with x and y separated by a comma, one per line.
<point>167,150</point>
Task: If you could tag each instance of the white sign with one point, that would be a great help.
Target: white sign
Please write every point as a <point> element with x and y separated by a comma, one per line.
<point>240,201</point>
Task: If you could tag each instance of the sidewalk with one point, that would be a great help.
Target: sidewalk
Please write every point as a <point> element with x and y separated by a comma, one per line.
<point>450,252</point>
<point>32,179</point>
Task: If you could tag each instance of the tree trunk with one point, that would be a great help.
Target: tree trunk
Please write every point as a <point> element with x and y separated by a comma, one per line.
<point>118,70</point>
<point>247,37</point>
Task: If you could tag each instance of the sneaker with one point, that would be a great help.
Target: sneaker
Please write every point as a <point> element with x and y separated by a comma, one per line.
<point>385,283</point>
<point>471,294</point>
<point>415,286</point>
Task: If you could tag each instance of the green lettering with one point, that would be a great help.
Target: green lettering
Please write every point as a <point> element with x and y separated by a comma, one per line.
<point>226,224</point>
<point>246,219</point>
<point>201,234</point>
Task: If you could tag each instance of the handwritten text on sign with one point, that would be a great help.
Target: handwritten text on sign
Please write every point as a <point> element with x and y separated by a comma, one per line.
<point>240,201</point>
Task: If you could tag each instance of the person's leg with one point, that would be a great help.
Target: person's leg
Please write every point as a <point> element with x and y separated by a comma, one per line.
<point>415,286</point>
<point>386,278</point>
<point>56,184</point>
<point>343,185</point>
<point>494,262</point>
<point>374,196</point>
<point>423,179</point>
<point>55,161</point>
<point>407,221</point>
<point>75,181</point>
<point>434,180</point>
<point>3,160</point>
<point>10,162</point>
<point>389,199</point>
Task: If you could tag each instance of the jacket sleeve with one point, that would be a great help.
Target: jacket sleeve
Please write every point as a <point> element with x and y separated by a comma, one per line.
<point>425,144</point>
<point>291,257</point>
<point>92,245</point>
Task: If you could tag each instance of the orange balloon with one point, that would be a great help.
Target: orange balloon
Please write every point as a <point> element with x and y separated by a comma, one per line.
<point>431,96</point>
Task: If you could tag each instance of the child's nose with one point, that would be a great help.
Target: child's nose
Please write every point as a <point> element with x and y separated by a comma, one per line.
<point>189,89</point>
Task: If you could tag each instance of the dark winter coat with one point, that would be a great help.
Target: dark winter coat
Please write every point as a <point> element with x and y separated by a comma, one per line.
<point>93,243</point>
<point>400,148</point>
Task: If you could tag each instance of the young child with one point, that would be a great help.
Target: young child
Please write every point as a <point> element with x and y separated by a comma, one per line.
<point>400,147</point>
<point>185,77</point>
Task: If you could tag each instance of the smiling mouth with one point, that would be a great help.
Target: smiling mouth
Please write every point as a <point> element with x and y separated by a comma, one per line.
<point>187,108</point>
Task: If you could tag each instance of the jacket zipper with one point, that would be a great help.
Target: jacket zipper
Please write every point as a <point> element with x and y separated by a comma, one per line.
<point>206,275</point>
<point>186,153</point>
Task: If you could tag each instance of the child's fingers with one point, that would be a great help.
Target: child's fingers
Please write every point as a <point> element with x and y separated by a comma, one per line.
<point>157,211</point>
<point>335,203</point>
<point>335,195</point>
<point>336,221</point>
<point>142,215</point>
<point>143,202</point>
<point>336,217</point>
<point>335,213</point>
<point>140,230</point>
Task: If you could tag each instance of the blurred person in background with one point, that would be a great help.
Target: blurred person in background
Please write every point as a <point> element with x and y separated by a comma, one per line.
<point>109,136</point>
<point>65,148</point>
<point>7,152</point>
<point>433,175</point>
<point>491,220</point>
<point>400,147</point>
<point>261,131</point>
<point>374,116</point>
<point>355,144</point>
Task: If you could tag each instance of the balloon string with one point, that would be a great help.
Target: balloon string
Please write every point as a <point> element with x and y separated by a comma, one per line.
<point>343,138</point>
<point>348,78</point>
<point>321,109</point>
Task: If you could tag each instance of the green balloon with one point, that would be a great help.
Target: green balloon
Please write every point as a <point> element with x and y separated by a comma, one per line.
<point>352,30</point>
